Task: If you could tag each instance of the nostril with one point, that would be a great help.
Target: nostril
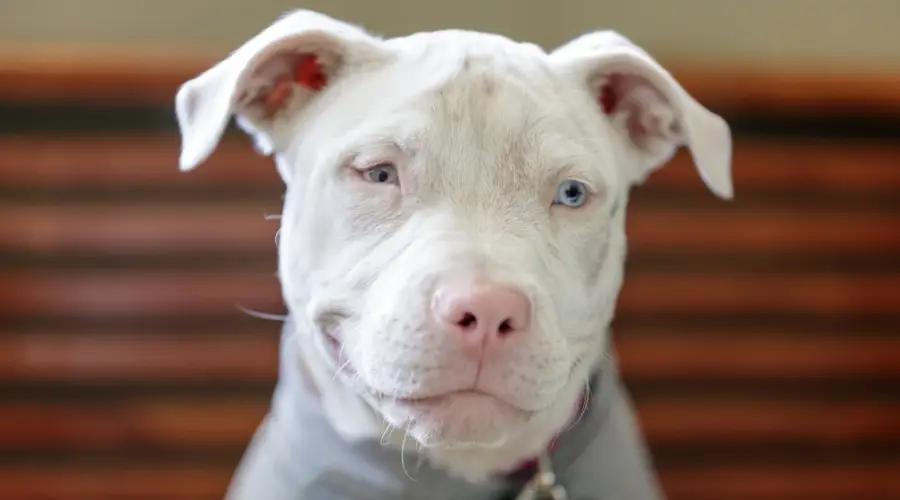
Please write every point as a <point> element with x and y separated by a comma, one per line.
<point>505,328</point>
<point>468,321</point>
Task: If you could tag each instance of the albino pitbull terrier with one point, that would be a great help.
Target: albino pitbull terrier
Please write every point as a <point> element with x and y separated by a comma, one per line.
<point>451,249</point>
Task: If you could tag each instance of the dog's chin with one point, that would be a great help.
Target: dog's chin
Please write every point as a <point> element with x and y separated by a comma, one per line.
<point>458,420</point>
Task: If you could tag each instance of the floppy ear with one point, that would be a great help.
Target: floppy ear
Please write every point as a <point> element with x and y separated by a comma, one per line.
<point>267,80</point>
<point>648,107</point>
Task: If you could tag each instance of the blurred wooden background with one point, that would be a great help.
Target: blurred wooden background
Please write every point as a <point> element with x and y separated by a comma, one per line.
<point>761,337</point>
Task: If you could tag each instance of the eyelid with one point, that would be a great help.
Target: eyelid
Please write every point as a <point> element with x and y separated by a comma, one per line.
<point>374,155</point>
<point>364,167</point>
<point>587,184</point>
<point>575,172</point>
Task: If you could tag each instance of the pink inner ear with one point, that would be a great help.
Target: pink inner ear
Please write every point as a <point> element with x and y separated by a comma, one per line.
<point>306,71</point>
<point>309,73</point>
<point>610,94</point>
<point>647,114</point>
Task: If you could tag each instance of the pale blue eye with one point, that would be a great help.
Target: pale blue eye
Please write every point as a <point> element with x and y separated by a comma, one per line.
<point>382,174</point>
<point>571,193</point>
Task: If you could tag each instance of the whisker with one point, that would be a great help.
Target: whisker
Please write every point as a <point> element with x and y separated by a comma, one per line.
<point>386,435</point>
<point>586,400</point>
<point>272,217</point>
<point>587,392</point>
<point>261,315</point>
<point>403,456</point>
<point>341,368</point>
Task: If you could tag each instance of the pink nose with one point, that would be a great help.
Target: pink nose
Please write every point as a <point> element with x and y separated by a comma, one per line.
<point>481,313</point>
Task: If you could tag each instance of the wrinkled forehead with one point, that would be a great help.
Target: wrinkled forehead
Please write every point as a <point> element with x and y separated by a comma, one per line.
<point>489,110</point>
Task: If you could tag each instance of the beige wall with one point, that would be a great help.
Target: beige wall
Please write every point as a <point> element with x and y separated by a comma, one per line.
<point>822,34</point>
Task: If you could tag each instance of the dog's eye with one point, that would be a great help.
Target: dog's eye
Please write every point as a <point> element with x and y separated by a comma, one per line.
<point>384,173</point>
<point>571,193</point>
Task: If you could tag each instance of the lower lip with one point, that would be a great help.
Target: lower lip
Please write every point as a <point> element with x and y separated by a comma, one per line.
<point>435,400</point>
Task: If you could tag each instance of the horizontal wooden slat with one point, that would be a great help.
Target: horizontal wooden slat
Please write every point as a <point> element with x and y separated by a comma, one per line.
<point>156,229</point>
<point>96,294</point>
<point>768,356</point>
<point>142,161</point>
<point>763,232</point>
<point>216,356</point>
<point>760,422</point>
<point>135,423</point>
<point>95,73</point>
<point>758,294</point>
<point>151,161</point>
<point>107,294</point>
<point>131,357</point>
<point>779,482</point>
<point>795,166</point>
<point>727,481</point>
<point>114,482</point>
<point>92,74</point>
<point>138,228</point>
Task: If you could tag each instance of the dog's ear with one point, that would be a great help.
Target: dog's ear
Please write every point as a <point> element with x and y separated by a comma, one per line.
<point>648,107</point>
<point>268,79</point>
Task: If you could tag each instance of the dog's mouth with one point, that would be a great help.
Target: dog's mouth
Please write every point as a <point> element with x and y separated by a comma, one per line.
<point>469,397</point>
<point>426,400</point>
<point>345,369</point>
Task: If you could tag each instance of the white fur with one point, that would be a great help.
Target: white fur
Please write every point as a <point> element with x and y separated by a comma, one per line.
<point>482,130</point>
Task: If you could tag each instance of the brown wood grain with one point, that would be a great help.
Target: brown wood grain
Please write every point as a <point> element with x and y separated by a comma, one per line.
<point>154,228</point>
<point>138,228</point>
<point>795,166</point>
<point>783,482</point>
<point>757,421</point>
<point>216,356</point>
<point>142,160</point>
<point>771,232</point>
<point>129,423</point>
<point>724,293</point>
<point>129,76</point>
<point>125,356</point>
<point>769,355</point>
<point>114,482</point>
<point>152,161</point>
<point>189,293</point>
<point>96,74</point>
<point>738,482</point>
<point>129,294</point>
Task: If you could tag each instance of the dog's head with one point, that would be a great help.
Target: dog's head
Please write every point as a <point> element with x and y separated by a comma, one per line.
<point>453,228</point>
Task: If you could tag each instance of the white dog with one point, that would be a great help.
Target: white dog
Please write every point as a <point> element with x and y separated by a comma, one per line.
<point>451,250</point>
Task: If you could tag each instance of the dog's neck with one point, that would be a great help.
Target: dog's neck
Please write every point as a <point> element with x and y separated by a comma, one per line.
<point>354,419</point>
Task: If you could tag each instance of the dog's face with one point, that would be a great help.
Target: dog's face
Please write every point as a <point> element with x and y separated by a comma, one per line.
<point>448,232</point>
<point>452,236</point>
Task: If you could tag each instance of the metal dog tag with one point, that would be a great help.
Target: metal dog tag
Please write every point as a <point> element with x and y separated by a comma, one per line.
<point>543,485</point>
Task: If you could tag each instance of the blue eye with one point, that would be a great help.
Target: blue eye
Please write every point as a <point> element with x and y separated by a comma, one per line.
<point>382,174</point>
<point>571,193</point>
